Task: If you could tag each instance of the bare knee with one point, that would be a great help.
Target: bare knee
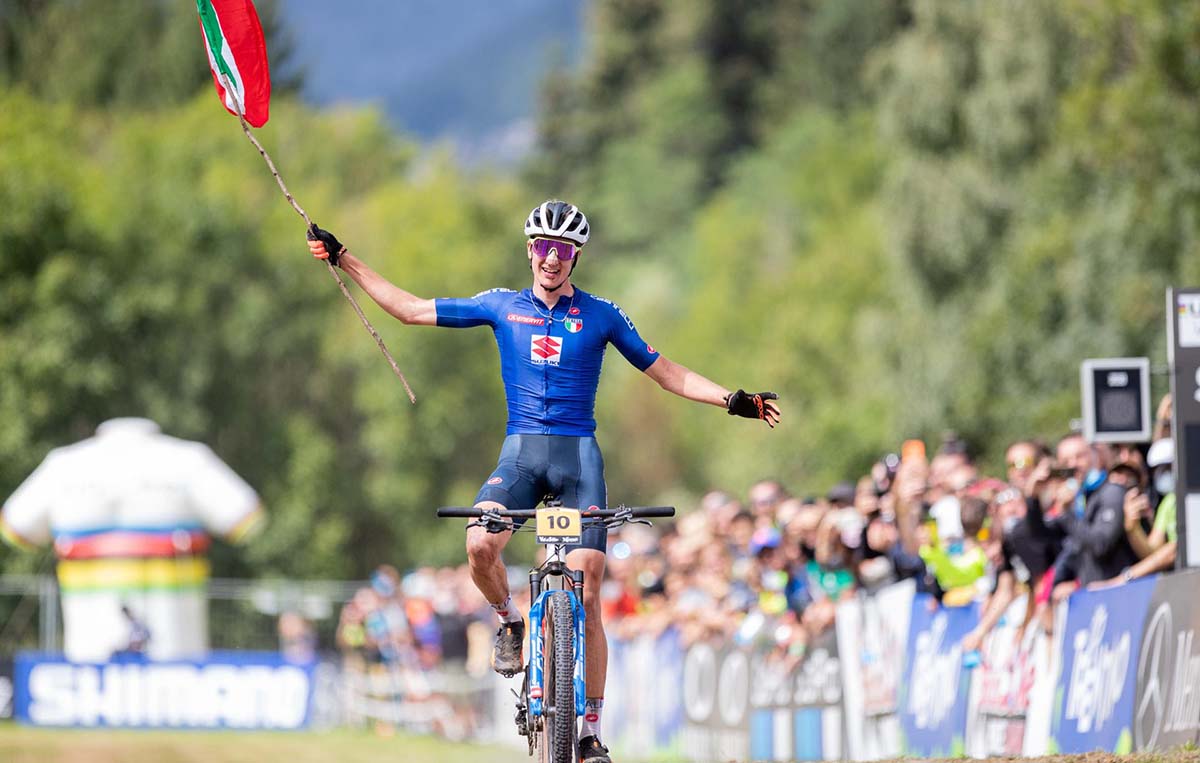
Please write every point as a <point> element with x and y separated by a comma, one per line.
<point>483,548</point>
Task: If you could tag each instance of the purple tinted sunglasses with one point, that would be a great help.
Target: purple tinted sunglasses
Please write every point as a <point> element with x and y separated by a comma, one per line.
<point>565,250</point>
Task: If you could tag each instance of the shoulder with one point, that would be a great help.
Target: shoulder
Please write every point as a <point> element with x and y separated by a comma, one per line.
<point>609,307</point>
<point>499,296</point>
<point>1111,491</point>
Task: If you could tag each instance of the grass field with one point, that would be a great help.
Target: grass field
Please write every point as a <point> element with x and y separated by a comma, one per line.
<point>19,744</point>
<point>25,745</point>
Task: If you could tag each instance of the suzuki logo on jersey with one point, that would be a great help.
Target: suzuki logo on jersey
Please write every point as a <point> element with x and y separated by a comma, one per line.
<point>573,325</point>
<point>545,350</point>
<point>528,320</point>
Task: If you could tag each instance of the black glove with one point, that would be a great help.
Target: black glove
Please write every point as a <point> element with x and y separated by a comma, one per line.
<point>753,406</point>
<point>333,247</point>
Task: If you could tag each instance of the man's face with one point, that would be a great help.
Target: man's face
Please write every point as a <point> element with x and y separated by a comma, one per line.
<point>1076,454</point>
<point>549,272</point>
<point>1020,460</point>
<point>764,496</point>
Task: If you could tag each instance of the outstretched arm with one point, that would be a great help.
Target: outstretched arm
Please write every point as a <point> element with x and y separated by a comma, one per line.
<point>686,383</point>
<point>400,304</point>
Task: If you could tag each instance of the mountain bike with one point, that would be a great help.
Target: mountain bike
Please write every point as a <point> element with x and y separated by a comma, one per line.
<point>552,694</point>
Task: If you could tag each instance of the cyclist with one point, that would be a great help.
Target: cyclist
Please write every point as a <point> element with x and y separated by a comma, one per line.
<point>552,338</point>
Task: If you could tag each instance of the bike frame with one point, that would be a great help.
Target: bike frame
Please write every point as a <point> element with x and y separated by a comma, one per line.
<point>555,566</point>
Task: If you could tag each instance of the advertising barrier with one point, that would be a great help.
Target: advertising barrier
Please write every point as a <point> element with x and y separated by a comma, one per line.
<point>716,701</point>
<point>762,704</point>
<point>1167,707</point>
<point>1011,690</point>
<point>1101,641</point>
<point>6,689</point>
<point>228,690</point>
<point>643,706</point>
<point>933,709</point>
<point>796,706</point>
<point>872,637</point>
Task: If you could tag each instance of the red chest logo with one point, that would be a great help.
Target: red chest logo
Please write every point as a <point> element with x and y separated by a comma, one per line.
<point>545,350</point>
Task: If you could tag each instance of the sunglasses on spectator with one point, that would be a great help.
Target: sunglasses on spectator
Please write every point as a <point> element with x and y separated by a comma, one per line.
<point>1021,463</point>
<point>1006,495</point>
<point>544,247</point>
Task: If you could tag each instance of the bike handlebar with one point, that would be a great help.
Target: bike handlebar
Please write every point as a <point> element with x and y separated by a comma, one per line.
<point>635,512</point>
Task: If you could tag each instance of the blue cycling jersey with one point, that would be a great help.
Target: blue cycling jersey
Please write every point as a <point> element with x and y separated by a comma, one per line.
<point>550,359</point>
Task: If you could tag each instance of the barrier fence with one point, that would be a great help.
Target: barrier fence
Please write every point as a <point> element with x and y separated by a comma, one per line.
<point>1121,673</point>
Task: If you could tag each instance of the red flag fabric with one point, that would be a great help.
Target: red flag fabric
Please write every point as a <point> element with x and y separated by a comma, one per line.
<point>233,37</point>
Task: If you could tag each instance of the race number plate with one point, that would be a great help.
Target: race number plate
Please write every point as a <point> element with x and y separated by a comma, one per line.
<point>558,526</point>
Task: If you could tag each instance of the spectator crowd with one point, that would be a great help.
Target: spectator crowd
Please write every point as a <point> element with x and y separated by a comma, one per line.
<point>771,569</point>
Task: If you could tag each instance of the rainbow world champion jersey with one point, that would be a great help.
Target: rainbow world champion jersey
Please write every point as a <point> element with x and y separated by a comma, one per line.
<point>550,359</point>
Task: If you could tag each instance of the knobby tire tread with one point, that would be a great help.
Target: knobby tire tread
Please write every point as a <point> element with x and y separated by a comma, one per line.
<point>561,674</point>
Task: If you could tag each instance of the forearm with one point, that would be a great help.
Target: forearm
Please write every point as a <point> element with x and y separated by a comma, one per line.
<point>686,383</point>
<point>997,604</point>
<point>1138,541</point>
<point>1161,559</point>
<point>396,301</point>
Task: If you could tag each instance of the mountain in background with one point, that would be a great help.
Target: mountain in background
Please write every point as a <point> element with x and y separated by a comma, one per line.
<point>462,71</point>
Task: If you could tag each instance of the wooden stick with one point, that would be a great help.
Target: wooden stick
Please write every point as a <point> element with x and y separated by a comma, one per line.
<point>300,211</point>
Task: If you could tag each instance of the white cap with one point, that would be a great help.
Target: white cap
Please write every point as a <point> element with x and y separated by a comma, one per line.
<point>946,511</point>
<point>1161,452</point>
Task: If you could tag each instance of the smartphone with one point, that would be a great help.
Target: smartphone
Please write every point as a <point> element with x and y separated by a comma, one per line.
<point>912,450</point>
<point>1061,472</point>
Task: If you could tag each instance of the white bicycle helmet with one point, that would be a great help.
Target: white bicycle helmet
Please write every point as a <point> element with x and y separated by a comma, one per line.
<point>558,219</point>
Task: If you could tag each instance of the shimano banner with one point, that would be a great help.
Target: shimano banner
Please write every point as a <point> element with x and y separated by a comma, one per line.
<point>230,690</point>
<point>1167,711</point>
<point>1101,642</point>
<point>933,707</point>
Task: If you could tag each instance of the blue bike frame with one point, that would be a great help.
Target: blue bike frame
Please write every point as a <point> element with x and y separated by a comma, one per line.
<point>536,646</point>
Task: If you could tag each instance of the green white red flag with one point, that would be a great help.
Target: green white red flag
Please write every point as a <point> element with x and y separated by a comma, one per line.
<point>233,37</point>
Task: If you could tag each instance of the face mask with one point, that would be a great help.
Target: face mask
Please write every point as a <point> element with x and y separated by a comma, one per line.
<point>1010,524</point>
<point>1164,482</point>
<point>1094,479</point>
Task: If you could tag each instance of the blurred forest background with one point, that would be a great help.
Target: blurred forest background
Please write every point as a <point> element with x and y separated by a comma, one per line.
<point>905,216</point>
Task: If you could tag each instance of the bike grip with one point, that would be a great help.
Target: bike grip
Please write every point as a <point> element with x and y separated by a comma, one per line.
<point>458,512</point>
<point>655,511</point>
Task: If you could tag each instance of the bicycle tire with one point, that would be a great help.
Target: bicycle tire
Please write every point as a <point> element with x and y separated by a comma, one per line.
<point>559,727</point>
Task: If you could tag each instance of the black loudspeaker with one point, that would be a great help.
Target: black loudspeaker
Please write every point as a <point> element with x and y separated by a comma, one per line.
<point>1116,399</point>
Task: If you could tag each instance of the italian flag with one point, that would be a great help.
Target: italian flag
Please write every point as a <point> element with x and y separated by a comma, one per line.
<point>233,37</point>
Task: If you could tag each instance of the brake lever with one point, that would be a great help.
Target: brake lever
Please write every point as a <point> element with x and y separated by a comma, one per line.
<point>491,521</point>
<point>624,516</point>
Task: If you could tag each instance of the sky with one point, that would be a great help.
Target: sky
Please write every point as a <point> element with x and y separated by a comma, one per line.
<point>465,71</point>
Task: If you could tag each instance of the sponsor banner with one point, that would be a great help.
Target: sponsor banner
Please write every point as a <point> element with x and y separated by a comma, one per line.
<point>933,709</point>
<point>1167,708</point>
<point>6,689</point>
<point>872,637</point>
<point>796,707</point>
<point>1010,677</point>
<point>227,690</point>
<point>1101,641</point>
<point>716,703</point>
<point>643,705</point>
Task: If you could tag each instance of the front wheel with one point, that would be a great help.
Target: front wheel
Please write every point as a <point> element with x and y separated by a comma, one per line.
<point>558,722</point>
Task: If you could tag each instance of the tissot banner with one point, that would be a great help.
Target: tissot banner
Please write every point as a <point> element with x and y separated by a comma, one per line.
<point>1166,712</point>
<point>1101,641</point>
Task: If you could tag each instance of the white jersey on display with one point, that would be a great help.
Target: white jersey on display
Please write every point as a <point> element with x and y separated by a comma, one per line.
<point>129,512</point>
